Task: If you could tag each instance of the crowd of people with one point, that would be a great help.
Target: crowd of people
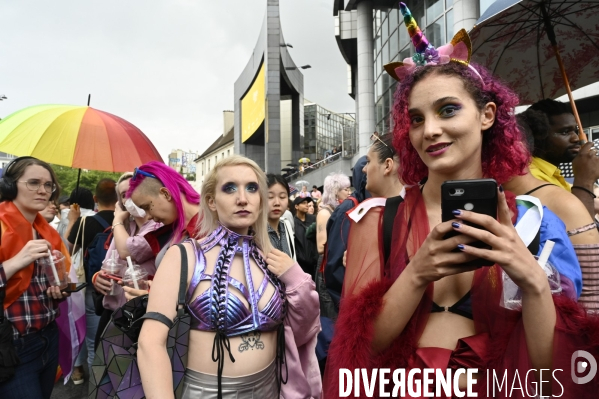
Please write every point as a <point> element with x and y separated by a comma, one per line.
<point>283,294</point>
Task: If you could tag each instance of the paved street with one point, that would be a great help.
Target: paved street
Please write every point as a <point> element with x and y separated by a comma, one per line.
<point>70,390</point>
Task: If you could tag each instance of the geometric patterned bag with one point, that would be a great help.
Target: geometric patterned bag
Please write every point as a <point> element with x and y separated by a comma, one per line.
<point>114,372</point>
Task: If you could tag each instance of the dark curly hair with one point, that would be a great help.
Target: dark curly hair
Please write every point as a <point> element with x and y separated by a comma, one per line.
<point>503,153</point>
<point>551,107</point>
<point>535,126</point>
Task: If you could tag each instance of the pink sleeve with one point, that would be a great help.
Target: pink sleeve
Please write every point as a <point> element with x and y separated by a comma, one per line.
<point>139,248</point>
<point>302,326</point>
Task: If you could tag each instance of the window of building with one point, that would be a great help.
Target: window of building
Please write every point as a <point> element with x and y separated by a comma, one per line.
<point>228,152</point>
<point>208,165</point>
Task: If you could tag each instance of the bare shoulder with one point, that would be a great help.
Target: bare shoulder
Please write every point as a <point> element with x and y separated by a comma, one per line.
<point>566,206</point>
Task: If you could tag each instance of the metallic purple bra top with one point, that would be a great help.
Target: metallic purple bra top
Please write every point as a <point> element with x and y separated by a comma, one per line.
<point>219,310</point>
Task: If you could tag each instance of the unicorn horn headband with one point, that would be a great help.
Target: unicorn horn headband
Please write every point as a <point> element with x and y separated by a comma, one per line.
<point>458,50</point>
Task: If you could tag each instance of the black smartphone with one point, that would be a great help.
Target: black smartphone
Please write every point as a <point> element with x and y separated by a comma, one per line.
<point>74,287</point>
<point>477,195</point>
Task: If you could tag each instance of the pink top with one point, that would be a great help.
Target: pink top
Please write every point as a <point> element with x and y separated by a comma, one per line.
<point>302,326</point>
<point>141,254</point>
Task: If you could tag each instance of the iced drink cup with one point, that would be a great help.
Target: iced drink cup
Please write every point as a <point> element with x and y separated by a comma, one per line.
<point>59,265</point>
<point>138,275</point>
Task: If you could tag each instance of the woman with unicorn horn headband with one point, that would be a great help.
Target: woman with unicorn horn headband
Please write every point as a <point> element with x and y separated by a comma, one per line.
<point>423,306</point>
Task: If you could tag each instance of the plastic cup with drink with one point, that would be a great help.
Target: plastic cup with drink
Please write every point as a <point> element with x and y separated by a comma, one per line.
<point>113,267</point>
<point>55,269</point>
<point>135,276</point>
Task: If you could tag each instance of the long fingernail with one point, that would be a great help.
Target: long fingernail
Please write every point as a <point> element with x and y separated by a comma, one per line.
<point>500,188</point>
<point>461,247</point>
<point>456,212</point>
<point>455,225</point>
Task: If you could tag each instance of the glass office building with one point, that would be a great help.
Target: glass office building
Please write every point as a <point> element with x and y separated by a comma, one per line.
<point>392,43</point>
<point>324,130</point>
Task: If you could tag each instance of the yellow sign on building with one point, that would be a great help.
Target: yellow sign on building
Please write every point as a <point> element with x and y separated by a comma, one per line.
<point>253,107</point>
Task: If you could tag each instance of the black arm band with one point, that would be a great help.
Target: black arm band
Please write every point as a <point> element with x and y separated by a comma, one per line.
<point>588,191</point>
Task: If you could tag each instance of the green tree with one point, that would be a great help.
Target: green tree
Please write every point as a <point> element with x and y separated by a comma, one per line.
<point>67,178</point>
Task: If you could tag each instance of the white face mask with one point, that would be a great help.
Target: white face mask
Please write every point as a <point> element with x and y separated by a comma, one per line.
<point>134,210</point>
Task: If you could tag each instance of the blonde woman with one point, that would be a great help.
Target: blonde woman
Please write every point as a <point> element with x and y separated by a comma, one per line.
<point>257,335</point>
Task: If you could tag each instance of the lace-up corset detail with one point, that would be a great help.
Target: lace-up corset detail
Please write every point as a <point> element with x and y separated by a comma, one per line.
<point>218,309</point>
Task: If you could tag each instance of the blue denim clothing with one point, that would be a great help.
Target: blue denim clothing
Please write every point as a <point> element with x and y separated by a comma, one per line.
<point>34,377</point>
<point>92,320</point>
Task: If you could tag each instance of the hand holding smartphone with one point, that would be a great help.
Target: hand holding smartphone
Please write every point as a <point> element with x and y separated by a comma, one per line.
<point>477,195</point>
<point>74,287</point>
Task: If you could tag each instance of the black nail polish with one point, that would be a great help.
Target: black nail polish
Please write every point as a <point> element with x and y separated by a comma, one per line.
<point>456,212</point>
<point>455,225</point>
<point>460,247</point>
<point>500,188</point>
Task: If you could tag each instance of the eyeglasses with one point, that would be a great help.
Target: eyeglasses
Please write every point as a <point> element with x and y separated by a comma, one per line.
<point>568,131</point>
<point>138,171</point>
<point>34,185</point>
<point>376,137</point>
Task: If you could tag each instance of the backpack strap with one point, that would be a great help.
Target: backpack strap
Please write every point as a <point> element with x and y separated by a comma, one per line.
<point>389,213</point>
<point>102,222</point>
<point>180,299</point>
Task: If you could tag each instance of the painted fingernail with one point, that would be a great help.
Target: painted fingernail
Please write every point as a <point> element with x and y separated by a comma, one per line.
<point>455,225</point>
<point>500,188</point>
<point>456,212</point>
<point>460,247</point>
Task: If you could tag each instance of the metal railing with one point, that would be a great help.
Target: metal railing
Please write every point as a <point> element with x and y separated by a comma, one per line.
<point>314,166</point>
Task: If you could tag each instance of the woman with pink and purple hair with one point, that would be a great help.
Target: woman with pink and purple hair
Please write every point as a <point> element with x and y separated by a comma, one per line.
<point>424,305</point>
<point>169,199</point>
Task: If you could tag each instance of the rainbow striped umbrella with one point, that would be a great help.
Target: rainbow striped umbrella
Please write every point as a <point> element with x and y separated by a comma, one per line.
<point>76,136</point>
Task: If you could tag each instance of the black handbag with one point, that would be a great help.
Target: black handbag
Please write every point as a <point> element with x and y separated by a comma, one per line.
<point>8,353</point>
<point>115,373</point>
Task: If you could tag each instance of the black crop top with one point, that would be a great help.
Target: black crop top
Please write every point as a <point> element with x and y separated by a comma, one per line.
<point>463,307</point>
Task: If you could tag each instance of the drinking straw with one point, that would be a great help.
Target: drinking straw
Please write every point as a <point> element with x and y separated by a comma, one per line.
<point>544,256</point>
<point>53,268</point>
<point>132,271</point>
<point>113,258</point>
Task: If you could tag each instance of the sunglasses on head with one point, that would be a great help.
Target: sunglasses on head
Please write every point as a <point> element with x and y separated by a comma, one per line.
<point>138,171</point>
<point>376,137</point>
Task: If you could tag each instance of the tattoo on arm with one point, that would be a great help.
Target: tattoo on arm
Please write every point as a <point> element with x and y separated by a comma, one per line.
<point>320,227</point>
<point>251,341</point>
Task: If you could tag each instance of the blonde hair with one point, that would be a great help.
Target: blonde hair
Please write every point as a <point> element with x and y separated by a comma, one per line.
<point>208,220</point>
<point>124,176</point>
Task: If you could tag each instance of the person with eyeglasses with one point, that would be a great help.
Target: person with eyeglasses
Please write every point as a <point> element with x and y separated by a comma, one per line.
<point>560,144</point>
<point>30,305</point>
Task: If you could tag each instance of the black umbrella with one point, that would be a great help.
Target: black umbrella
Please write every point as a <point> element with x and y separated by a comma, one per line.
<point>540,47</point>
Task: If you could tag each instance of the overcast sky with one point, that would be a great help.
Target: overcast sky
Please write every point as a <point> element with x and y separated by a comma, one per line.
<point>167,66</point>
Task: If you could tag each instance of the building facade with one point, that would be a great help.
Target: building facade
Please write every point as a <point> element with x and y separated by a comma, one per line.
<point>269,100</point>
<point>325,130</point>
<point>222,147</point>
<point>182,162</point>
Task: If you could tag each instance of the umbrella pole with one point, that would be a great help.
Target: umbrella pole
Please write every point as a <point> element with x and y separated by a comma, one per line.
<point>77,188</point>
<point>551,37</point>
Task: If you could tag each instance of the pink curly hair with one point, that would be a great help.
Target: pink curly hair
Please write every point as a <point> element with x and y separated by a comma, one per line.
<point>503,154</point>
<point>175,184</point>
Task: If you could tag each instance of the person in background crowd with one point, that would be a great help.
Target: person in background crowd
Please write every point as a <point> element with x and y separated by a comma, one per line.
<point>106,199</point>
<point>315,193</point>
<point>50,213</point>
<point>304,193</point>
<point>30,304</point>
<point>167,198</point>
<point>63,203</point>
<point>130,225</point>
<point>81,198</point>
<point>338,230</point>
<point>270,353</point>
<point>579,225</point>
<point>381,168</point>
<point>280,230</point>
<point>311,208</point>
<point>306,253</point>
<point>560,144</point>
<point>336,190</point>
